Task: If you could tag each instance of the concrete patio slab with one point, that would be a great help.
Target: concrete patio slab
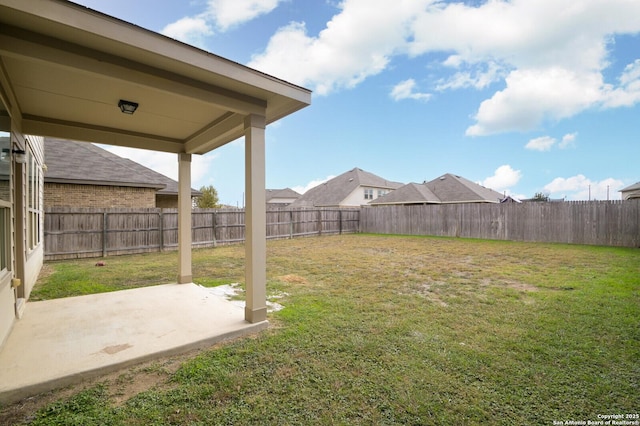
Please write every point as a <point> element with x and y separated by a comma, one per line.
<point>64,341</point>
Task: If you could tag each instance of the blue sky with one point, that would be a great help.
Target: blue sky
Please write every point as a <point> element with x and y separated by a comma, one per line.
<point>522,96</point>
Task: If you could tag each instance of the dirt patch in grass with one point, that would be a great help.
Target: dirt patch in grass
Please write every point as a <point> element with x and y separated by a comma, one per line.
<point>121,386</point>
<point>293,279</point>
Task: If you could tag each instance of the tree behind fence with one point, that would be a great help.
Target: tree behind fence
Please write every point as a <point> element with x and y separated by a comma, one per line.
<point>79,233</point>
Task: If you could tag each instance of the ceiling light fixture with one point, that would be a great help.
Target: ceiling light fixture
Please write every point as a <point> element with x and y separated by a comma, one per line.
<point>20,156</point>
<point>127,107</point>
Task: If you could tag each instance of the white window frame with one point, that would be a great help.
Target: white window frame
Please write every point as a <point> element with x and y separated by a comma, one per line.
<point>368,193</point>
<point>5,250</point>
<point>34,206</point>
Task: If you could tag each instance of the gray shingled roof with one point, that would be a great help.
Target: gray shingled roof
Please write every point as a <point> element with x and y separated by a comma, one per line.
<point>447,188</point>
<point>411,193</point>
<point>451,188</point>
<point>87,164</point>
<point>332,192</point>
<point>633,187</point>
<point>281,193</point>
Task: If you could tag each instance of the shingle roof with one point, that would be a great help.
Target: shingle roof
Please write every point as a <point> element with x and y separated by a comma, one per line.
<point>87,164</point>
<point>334,191</point>
<point>451,188</point>
<point>281,193</point>
<point>633,187</point>
<point>447,188</point>
<point>411,193</point>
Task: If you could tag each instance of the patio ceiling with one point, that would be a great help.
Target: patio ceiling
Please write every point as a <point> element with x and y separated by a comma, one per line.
<point>63,69</point>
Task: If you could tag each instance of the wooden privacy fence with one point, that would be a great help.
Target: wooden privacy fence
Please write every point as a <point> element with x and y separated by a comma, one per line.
<point>609,223</point>
<point>78,233</point>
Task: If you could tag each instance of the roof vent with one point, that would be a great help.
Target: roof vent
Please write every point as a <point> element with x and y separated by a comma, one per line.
<point>443,177</point>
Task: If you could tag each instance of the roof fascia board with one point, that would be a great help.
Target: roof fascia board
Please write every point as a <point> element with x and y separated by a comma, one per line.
<point>82,132</point>
<point>94,22</point>
<point>104,183</point>
<point>7,94</point>
<point>226,129</point>
<point>22,44</point>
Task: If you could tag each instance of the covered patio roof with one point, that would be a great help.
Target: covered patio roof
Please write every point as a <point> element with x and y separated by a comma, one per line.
<point>64,68</point>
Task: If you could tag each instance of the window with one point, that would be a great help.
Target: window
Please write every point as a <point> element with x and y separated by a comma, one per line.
<point>382,192</point>
<point>4,239</point>
<point>34,208</point>
<point>5,201</point>
<point>368,194</point>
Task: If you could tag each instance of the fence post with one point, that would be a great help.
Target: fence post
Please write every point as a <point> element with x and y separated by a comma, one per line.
<point>319,222</point>
<point>104,234</point>
<point>161,228</point>
<point>340,221</point>
<point>213,228</point>
<point>290,224</point>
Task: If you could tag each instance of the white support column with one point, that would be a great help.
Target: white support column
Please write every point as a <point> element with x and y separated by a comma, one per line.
<point>255,220</point>
<point>184,219</point>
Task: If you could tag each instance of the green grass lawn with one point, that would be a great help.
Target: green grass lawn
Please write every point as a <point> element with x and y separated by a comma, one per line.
<point>386,330</point>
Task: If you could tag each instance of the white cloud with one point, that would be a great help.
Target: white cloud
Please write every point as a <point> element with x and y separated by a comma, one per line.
<point>221,14</point>
<point>228,13</point>
<point>503,178</point>
<point>406,90</point>
<point>579,187</point>
<point>479,78</point>
<point>533,95</point>
<point>628,93</point>
<point>568,140</point>
<point>302,189</point>
<point>189,30</point>
<point>549,54</point>
<point>167,164</point>
<point>543,143</point>
<point>357,43</point>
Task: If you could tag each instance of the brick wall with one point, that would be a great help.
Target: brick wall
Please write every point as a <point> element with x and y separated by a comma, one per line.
<point>164,201</point>
<point>71,195</point>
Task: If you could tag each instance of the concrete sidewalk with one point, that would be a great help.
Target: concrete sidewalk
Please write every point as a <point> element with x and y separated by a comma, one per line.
<point>63,341</point>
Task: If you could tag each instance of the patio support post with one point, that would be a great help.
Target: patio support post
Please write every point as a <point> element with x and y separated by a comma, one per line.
<point>184,219</point>
<point>255,220</point>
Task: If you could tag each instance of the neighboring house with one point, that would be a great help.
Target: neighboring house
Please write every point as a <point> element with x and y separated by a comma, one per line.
<point>351,189</point>
<point>511,199</point>
<point>446,189</point>
<point>631,192</point>
<point>277,198</point>
<point>81,174</point>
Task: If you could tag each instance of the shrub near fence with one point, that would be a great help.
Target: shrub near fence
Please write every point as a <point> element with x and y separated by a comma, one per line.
<point>79,233</point>
<point>609,223</point>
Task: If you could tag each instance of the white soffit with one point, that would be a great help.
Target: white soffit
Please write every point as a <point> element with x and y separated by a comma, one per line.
<point>63,69</point>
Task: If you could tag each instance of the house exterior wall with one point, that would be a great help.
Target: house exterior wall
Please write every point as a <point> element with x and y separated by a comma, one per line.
<point>166,201</point>
<point>22,220</point>
<point>357,197</point>
<point>34,215</point>
<point>629,195</point>
<point>7,299</point>
<point>73,195</point>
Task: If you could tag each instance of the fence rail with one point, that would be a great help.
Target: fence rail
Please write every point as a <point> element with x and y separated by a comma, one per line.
<point>79,233</point>
<point>609,223</point>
